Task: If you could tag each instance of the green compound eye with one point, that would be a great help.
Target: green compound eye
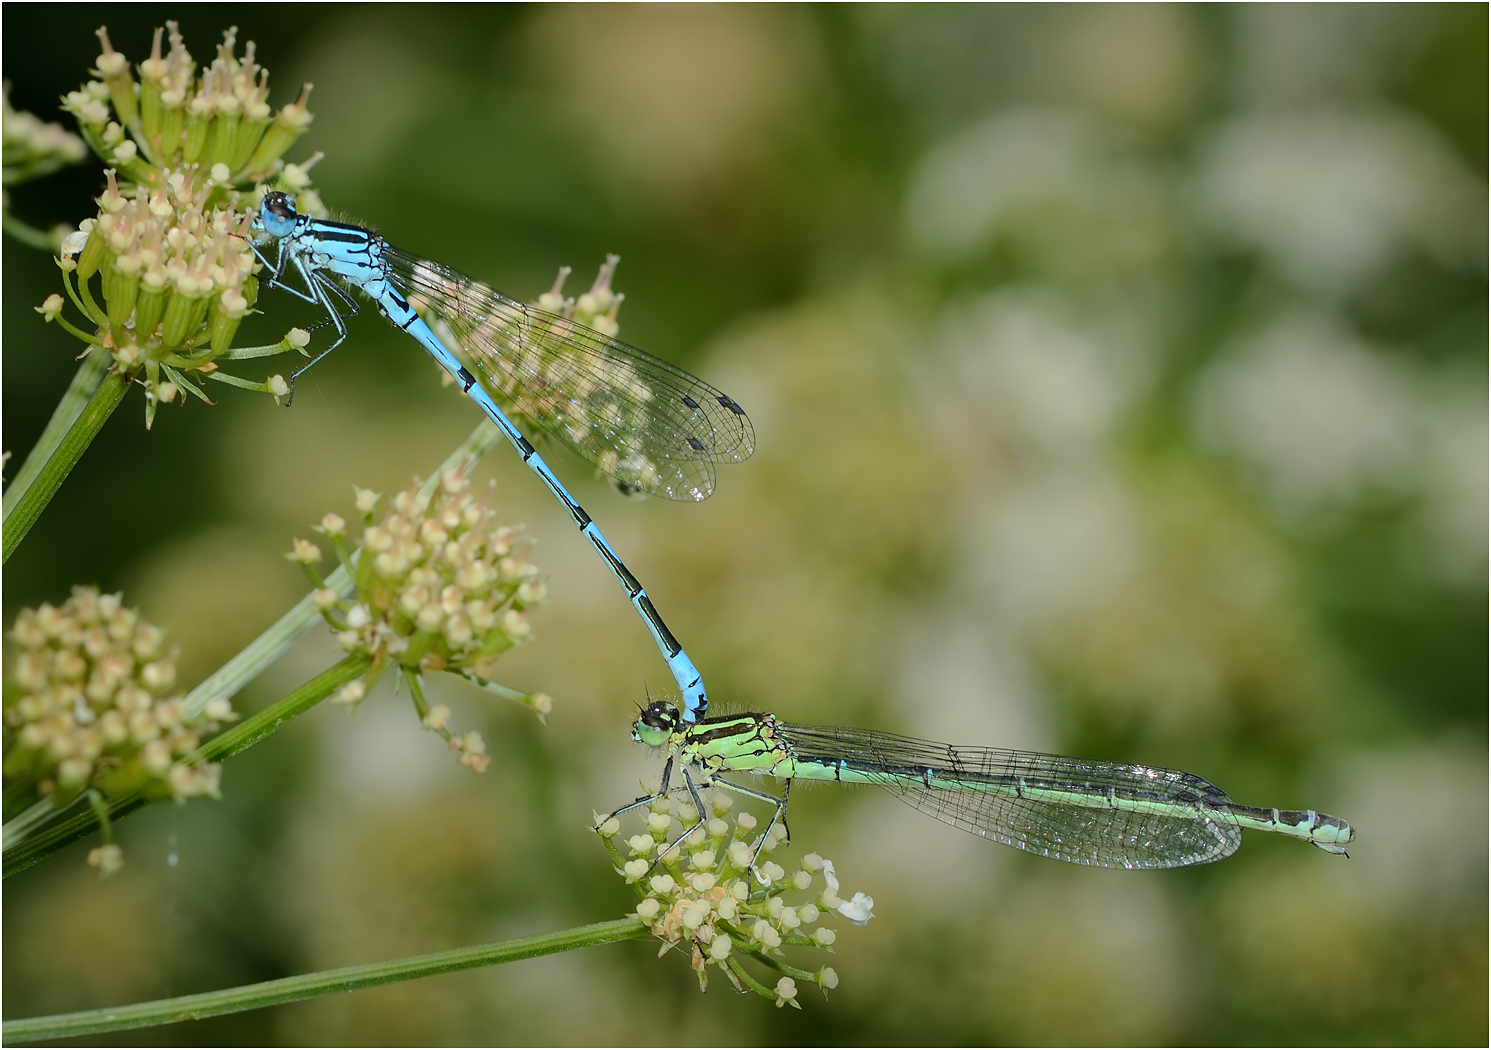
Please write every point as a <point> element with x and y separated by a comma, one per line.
<point>656,723</point>
<point>652,736</point>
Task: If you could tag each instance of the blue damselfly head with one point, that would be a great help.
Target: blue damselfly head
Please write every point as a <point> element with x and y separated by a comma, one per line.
<point>276,215</point>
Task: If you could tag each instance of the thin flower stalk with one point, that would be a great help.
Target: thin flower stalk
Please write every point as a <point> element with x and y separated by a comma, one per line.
<point>308,986</point>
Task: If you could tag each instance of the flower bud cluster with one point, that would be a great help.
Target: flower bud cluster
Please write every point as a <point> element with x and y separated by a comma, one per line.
<point>174,270</point>
<point>97,707</point>
<point>173,118</point>
<point>170,246</point>
<point>596,308</point>
<point>441,585</point>
<point>32,148</point>
<point>705,895</point>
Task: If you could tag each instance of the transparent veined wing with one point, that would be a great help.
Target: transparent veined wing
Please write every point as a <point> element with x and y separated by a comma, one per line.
<point>649,424</point>
<point>1107,814</point>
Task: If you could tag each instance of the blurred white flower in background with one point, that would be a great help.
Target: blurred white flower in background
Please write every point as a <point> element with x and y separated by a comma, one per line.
<point>1052,527</point>
<point>1454,474</point>
<point>1053,178</point>
<point>1318,417</point>
<point>967,184</point>
<point>1021,365</point>
<point>1322,422</point>
<point>1050,546</point>
<point>1329,197</point>
<point>963,678</point>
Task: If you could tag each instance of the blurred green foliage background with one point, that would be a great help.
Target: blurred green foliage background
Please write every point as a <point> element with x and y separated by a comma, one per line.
<point>1119,374</point>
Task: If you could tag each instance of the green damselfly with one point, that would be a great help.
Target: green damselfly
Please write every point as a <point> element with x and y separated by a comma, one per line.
<point>1084,811</point>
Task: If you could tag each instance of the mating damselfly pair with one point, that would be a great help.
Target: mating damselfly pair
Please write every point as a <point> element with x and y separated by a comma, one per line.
<point>659,430</point>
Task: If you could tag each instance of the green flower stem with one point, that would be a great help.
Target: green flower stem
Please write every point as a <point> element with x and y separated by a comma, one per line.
<point>417,694</point>
<point>94,312</point>
<point>76,332</point>
<point>620,863</point>
<point>84,383</point>
<point>308,986</point>
<point>744,977</point>
<point>247,353</point>
<point>251,730</point>
<point>58,460</point>
<point>223,746</point>
<point>242,384</point>
<point>72,293</point>
<point>100,808</point>
<point>228,679</point>
<point>782,968</point>
<point>23,824</point>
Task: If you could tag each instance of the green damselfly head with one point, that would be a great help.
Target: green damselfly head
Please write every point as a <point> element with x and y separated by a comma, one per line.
<point>656,723</point>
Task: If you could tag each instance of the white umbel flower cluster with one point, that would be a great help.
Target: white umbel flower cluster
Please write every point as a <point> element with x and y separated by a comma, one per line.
<point>173,268</point>
<point>441,585</point>
<point>98,708</point>
<point>172,116</point>
<point>703,898</point>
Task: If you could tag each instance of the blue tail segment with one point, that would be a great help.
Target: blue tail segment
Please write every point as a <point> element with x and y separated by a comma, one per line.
<point>684,672</point>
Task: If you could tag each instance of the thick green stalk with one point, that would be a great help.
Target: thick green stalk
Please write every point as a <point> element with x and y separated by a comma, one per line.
<point>251,730</point>
<point>84,383</point>
<point>61,446</point>
<point>293,989</point>
<point>225,745</point>
<point>264,650</point>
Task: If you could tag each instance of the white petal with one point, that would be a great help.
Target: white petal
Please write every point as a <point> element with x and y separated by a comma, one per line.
<point>829,876</point>
<point>857,910</point>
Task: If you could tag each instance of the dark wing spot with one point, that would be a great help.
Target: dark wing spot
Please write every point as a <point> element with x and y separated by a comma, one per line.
<point>690,401</point>
<point>696,444</point>
<point>731,405</point>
